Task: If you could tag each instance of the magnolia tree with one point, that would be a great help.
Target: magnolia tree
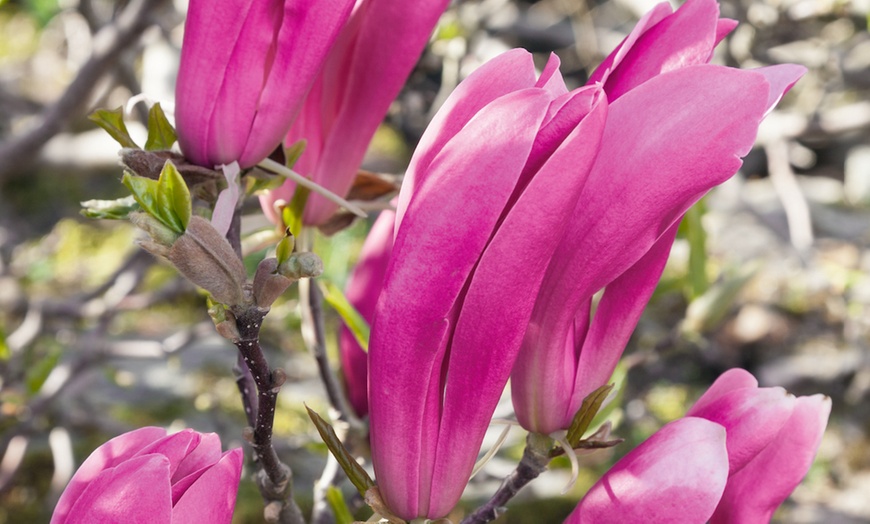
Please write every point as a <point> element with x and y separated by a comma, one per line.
<point>532,226</point>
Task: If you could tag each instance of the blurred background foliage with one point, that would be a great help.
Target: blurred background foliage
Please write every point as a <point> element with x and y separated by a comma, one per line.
<point>770,272</point>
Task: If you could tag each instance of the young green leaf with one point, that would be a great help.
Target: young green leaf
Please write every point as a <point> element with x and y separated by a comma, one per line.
<point>161,134</point>
<point>292,212</point>
<point>338,505</point>
<point>145,193</point>
<point>174,196</point>
<point>583,417</point>
<point>355,473</point>
<point>285,247</point>
<point>351,317</point>
<point>119,209</point>
<point>293,152</point>
<point>38,373</point>
<point>113,123</point>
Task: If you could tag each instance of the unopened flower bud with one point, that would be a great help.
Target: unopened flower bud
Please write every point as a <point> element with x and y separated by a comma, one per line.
<point>302,265</point>
<point>206,258</point>
<point>268,283</point>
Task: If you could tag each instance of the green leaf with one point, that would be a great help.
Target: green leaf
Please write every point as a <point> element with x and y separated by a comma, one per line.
<point>119,209</point>
<point>38,373</point>
<point>174,195</point>
<point>161,134</point>
<point>292,212</point>
<point>113,123</point>
<point>588,410</point>
<point>697,237</point>
<point>351,317</point>
<point>145,193</point>
<point>293,152</point>
<point>285,247</point>
<point>166,199</point>
<point>339,506</point>
<point>4,348</point>
<point>355,473</point>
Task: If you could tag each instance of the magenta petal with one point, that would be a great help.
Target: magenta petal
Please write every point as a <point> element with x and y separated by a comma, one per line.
<point>675,477</point>
<point>781,78</point>
<point>753,417</point>
<point>732,379</point>
<point>312,25</point>
<point>212,498</point>
<point>683,39</point>
<point>205,454</point>
<point>365,75</point>
<point>134,492</point>
<point>615,318</point>
<point>506,73</point>
<point>107,456</point>
<point>363,289</point>
<point>499,302</point>
<point>754,493</point>
<point>175,447</point>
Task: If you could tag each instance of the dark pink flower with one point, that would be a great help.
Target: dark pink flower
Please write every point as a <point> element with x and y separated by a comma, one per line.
<point>246,66</point>
<point>371,60</point>
<point>145,476</point>
<point>677,126</point>
<point>735,457</point>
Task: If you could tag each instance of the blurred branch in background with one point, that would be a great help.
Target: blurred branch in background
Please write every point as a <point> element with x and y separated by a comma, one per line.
<point>108,46</point>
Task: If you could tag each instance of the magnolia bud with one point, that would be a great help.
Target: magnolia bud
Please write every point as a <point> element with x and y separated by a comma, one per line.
<point>301,265</point>
<point>268,283</point>
<point>206,258</point>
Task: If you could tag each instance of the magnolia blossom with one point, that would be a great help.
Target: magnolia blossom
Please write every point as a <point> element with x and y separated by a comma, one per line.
<point>362,291</point>
<point>735,457</point>
<point>677,126</point>
<point>362,75</point>
<point>477,222</point>
<point>246,66</point>
<point>145,476</point>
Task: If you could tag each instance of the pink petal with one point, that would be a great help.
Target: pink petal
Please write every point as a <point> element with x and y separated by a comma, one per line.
<point>175,447</point>
<point>212,498</point>
<point>683,39</point>
<point>364,73</point>
<point>363,289</point>
<point>136,491</point>
<point>781,78</point>
<point>641,185</point>
<point>732,379</point>
<point>675,477</point>
<point>205,454</point>
<point>753,417</point>
<point>615,318</point>
<point>312,25</point>
<point>754,493</point>
<point>436,248</point>
<point>499,302</point>
<point>506,73</point>
<point>107,456</point>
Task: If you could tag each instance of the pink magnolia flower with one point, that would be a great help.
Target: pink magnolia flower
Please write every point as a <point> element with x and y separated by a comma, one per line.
<point>362,291</point>
<point>735,457</point>
<point>363,74</point>
<point>477,222</point>
<point>145,476</point>
<point>677,126</point>
<point>246,66</point>
<point>772,440</point>
<point>674,477</point>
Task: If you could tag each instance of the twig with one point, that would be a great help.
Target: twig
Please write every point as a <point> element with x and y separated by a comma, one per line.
<point>109,43</point>
<point>534,462</point>
<point>797,211</point>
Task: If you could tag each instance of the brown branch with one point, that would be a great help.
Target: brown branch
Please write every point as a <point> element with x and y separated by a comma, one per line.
<point>17,152</point>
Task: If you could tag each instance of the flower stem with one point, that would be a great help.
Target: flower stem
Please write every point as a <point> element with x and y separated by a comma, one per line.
<point>534,462</point>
